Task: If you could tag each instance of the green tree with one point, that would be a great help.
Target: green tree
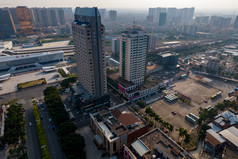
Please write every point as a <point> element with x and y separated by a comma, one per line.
<point>73,145</point>
<point>187,138</point>
<point>66,128</point>
<point>14,124</point>
<point>141,104</point>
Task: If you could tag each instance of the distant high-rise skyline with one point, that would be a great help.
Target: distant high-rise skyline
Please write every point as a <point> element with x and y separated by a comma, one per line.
<point>200,5</point>
<point>88,34</point>
<point>181,14</point>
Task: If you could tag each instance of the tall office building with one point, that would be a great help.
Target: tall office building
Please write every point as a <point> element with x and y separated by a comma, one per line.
<point>152,42</point>
<point>61,17</point>
<point>15,19</point>
<point>133,49</point>
<point>220,22</point>
<point>202,20</point>
<point>171,12</point>
<point>162,18</point>
<point>53,17</point>
<point>152,12</point>
<point>7,27</point>
<point>36,17</point>
<point>160,10</point>
<point>190,29</point>
<point>45,17</point>
<point>69,16</point>
<point>236,23</point>
<point>186,14</point>
<point>25,21</point>
<point>88,34</point>
<point>112,15</point>
<point>116,47</point>
<point>102,12</point>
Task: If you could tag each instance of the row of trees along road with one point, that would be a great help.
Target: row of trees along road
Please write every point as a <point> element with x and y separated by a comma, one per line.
<point>14,132</point>
<point>72,143</point>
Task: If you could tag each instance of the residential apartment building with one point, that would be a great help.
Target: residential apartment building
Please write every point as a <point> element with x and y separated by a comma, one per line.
<point>25,21</point>
<point>7,27</point>
<point>112,15</point>
<point>133,49</point>
<point>152,40</point>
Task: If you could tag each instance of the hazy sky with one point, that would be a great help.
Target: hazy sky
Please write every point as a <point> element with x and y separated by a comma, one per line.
<point>198,4</point>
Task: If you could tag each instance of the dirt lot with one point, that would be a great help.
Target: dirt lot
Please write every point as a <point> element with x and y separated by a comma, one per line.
<point>197,91</point>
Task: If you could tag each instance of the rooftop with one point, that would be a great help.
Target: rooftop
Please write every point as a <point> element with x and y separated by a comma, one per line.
<point>230,115</point>
<point>230,134</point>
<point>126,118</point>
<point>139,147</point>
<point>120,121</point>
<point>150,84</point>
<point>116,77</point>
<point>157,140</point>
<point>214,138</point>
<point>167,54</point>
<point>26,56</point>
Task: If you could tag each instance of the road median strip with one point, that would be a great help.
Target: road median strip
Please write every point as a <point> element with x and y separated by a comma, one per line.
<point>41,134</point>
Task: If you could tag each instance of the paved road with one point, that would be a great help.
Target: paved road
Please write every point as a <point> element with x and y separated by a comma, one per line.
<point>52,139</point>
<point>32,142</point>
<point>92,151</point>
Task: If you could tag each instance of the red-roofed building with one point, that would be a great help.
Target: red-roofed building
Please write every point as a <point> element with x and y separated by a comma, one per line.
<point>117,128</point>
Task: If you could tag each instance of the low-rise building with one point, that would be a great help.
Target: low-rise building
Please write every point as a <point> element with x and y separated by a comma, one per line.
<point>85,101</point>
<point>169,60</point>
<point>155,144</point>
<point>132,91</point>
<point>223,133</point>
<point>117,128</point>
<point>18,62</point>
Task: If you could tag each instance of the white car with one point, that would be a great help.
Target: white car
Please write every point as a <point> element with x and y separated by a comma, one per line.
<point>30,124</point>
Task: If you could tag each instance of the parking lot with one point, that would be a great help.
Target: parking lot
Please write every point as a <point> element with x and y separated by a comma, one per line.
<point>10,85</point>
<point>165,109</point>
<point>197,91</point>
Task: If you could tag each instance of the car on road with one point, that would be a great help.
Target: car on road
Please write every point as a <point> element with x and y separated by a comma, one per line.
<point>30,124</point>
<point>50,120</point>
<point>174,112</point>
<point>205,101</point>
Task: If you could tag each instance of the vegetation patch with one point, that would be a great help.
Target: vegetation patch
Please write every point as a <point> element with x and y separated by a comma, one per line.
<point>41,134</point>
<point>31,83</point>
<point>66,82</point>
<point>71,42</point>
<point>72,143</point>
<point>14,132</point>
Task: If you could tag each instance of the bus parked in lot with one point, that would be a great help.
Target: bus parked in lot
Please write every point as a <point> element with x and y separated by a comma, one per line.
<point>190,119</point>
<point>214,96</point>
<point>193,116</point>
